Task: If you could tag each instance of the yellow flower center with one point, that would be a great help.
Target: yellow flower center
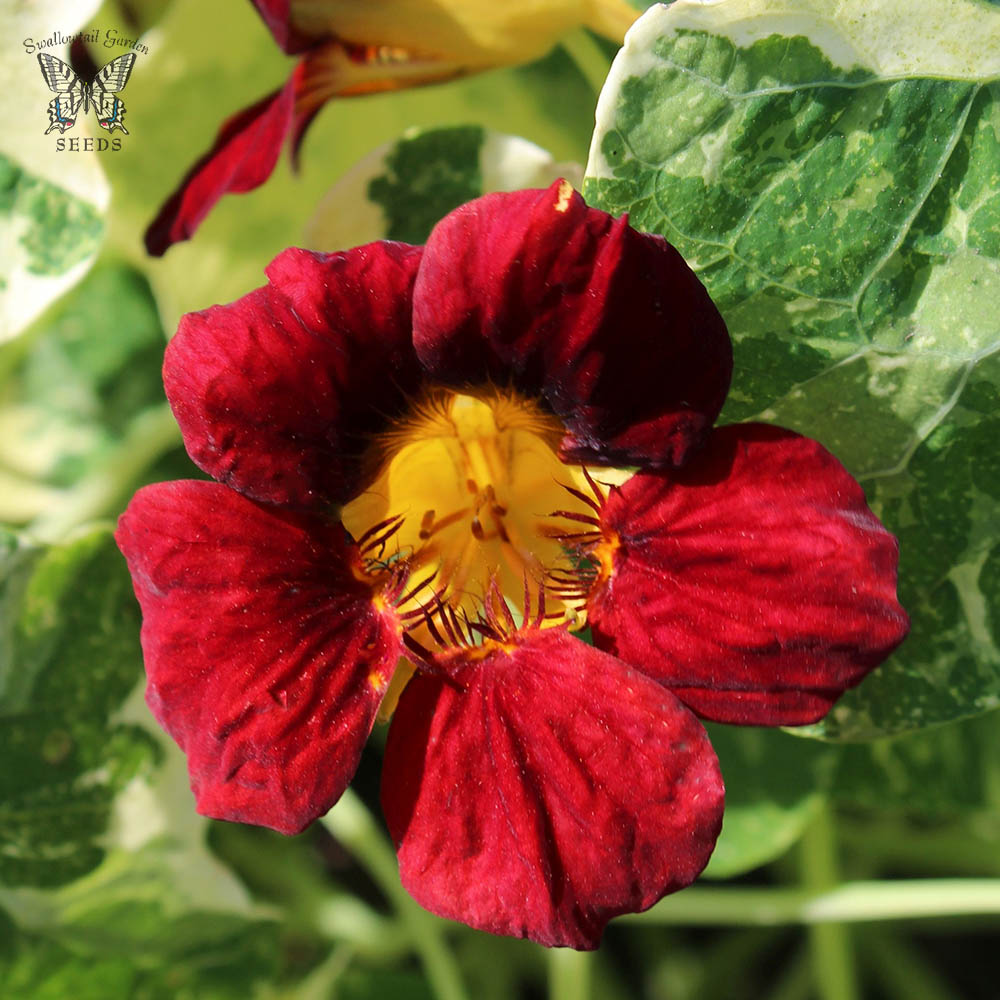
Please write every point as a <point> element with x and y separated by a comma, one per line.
<point>483,504</point>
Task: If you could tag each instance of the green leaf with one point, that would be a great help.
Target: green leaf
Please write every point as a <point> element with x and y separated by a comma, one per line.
<point>69,634</point>
<point>51,204</point>
<point>773,788</point>
<point>79,399</point>
<point>385,984</point>
<point>400,190</point>
<point>937,773</point>
<point>836,183</point>
<point>156,957</point>
<point>945,509</point>
<point>33,969</point>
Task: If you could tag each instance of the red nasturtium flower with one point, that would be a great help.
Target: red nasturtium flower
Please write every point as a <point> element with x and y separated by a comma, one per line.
<point>349,48</point>
<point>412,447</point>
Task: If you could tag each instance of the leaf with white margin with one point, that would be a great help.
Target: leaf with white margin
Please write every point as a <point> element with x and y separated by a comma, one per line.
<point>400,190</point>
<point>833,174</point>
<point>69,655</point>
<point>129,929</point>
<point>51,204</point>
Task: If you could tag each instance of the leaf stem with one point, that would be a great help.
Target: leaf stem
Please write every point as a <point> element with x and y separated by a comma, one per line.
<point>352,824</point>
<point>570,974</point>
<point>834,974</point>
<point>851,902</point>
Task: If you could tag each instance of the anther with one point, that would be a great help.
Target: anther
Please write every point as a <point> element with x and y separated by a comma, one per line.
<point>426,524</point>
<point>498,523</point>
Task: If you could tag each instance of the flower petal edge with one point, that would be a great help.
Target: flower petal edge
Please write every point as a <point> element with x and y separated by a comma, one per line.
<point>546,789</point>
<point>266,659</point>
<point>755,582</point>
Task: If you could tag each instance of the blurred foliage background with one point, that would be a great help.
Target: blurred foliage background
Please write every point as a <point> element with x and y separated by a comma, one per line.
<point>859,860</point>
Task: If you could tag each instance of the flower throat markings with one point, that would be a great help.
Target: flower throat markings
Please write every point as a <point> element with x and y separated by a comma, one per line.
<point>472,504</point>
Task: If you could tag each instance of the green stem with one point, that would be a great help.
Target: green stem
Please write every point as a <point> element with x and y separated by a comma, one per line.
<point>852,902</point>
<point>953,851</point>
<point>834,974</point>
<point>588,57</point>
<point>351,823</point>
<point>569,974</point>
<point>321,982</point>
<point>151,434</point>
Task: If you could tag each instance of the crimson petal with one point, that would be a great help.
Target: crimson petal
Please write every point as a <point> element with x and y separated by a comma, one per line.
<point>547,789</point>
<point>266,658</point>
<point>754,582</point>
<point>277,393</point>
<point>607,324</point>
<point>242,158</point>
<point>276,14</point>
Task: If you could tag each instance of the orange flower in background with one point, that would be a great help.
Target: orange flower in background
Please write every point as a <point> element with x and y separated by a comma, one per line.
<point>349,48</point>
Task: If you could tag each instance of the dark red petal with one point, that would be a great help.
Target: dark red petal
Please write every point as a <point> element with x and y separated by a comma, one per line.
<point>266,658</point>
<point>609,325</point>
<point>557,790</point>
<point>754,582</point>
<point>276,14</point>
<point>242,158</point>
<point>277,393</point>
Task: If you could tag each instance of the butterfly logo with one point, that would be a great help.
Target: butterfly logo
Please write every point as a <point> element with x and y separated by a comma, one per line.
<point>73,92</point>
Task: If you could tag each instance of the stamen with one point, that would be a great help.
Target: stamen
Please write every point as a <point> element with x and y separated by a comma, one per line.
<point>429,527</point>
<point>495,506</point>
<point>425,524</point>
<point>498,522</point>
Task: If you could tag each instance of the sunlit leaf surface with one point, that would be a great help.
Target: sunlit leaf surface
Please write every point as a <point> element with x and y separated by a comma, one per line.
<point>51,206</point>
<point>838,194</point>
